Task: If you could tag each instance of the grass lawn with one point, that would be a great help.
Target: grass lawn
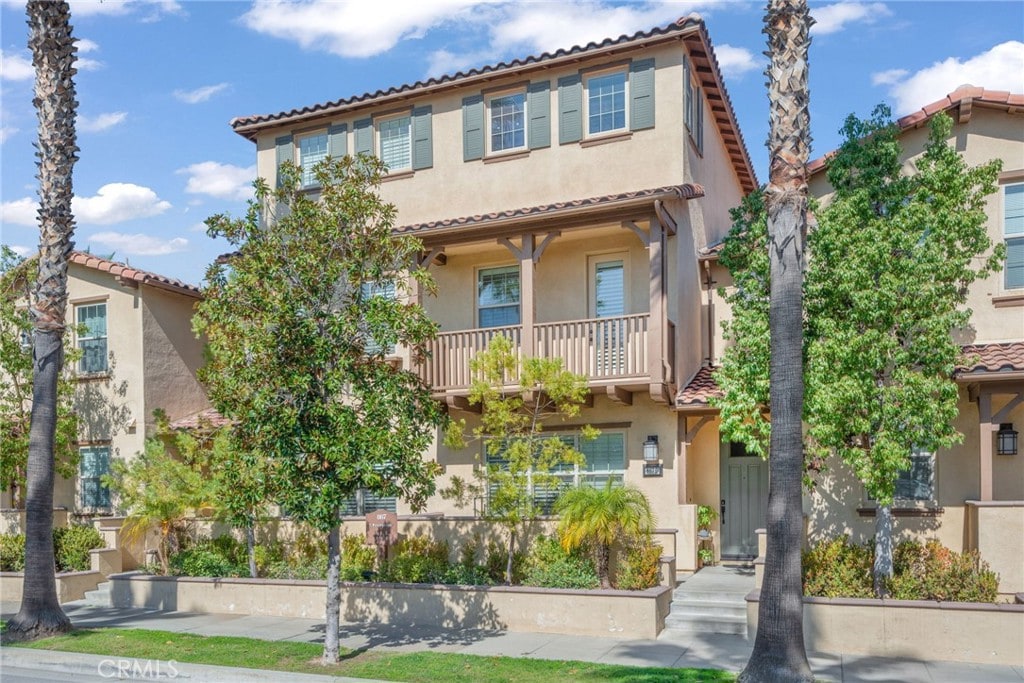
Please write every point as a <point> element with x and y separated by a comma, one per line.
<point>304,657</point>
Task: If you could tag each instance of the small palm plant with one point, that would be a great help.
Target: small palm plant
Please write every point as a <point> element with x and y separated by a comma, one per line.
<point>601,517</point>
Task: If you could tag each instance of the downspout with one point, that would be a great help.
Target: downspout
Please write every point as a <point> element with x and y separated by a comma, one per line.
<point>708,282</point>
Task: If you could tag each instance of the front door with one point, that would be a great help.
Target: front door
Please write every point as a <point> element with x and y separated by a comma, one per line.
<point>744,501</point>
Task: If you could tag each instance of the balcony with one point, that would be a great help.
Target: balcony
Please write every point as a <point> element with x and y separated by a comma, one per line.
<point>612,352</point>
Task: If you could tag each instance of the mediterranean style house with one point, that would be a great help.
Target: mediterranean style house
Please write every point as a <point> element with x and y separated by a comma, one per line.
<point>138,355</point>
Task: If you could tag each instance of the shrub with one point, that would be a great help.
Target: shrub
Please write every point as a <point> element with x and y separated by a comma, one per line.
<point>934,572</point>
<point>641,568</point>
<point>838,568</point>
<point>206,559</point>
<point>12,552</point>
<point>496,559</point>
<point>548,565</point>
<point>356,558</point>
<point>71,546</point>
<point>417,560</point>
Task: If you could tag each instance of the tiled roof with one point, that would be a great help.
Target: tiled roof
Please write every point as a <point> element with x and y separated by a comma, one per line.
<point>126,272</point>
<point>698,390</point>
<point>994,357</point>
<point>965,96</point>
<point>691,28</point>
<point>687,191</point>
<point>204,418</point>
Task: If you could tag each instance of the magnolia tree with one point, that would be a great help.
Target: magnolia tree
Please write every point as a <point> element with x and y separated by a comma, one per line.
<point>298,330</point>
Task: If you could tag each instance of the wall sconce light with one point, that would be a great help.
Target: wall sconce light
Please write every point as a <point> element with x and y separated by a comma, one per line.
<point>651,449</point>
<point>1006,439</point>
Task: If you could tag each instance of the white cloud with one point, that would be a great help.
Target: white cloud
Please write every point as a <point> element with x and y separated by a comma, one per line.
<point>223,181</point>
<point>443,62</point>
<point>85,45</point>
<point>15,67</point>
<point>997,69</point>
<point>199,94</point>
<point>198,227</point>
<point>117,202</point>
<point>100,122</point>
<point>888,77</point>
<point>154,9</point>
<point>139,244</point>
<point>736,61</point>
<point>6,132</point>
<point>834,18</point>
<point>19,211</point>
<point>20,250</point>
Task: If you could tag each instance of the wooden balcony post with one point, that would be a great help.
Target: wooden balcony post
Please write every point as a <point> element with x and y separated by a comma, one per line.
<point>527,301</point>
<point>656,331</point>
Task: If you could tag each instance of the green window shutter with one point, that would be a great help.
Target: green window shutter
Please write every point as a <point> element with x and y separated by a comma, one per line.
<point>698,102</point>
<point>472,128</point>
<point>570,109</point>
<point>641,94</point>
<point>337,140</point>
<point>363,130</point>
<point>422,138</point>
<point>285,152</point>
<point>538,108</point>
<point>687,94</point>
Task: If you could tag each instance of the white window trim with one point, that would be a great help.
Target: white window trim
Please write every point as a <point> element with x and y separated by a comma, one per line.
<point>299,137</point>
<point>476,294</point>
<point>593,261</point>
<point>1006,237</point>
<point>488,97</point>
<point>587,77</point>
<point>377,139</point>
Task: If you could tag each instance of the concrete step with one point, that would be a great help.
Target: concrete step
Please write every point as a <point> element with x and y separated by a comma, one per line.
<point>701,623</point>
<point>709,608</point>
<point>100,597</point>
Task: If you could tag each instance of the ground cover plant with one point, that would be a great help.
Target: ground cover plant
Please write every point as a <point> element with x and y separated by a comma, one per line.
<point>419,667</point>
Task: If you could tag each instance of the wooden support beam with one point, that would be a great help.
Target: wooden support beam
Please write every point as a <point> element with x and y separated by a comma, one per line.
<point>638,231</point>
<point>656,329</point>
<point>620,395</point>
<point>985,432</point>
<point>527,299</point>
<point>461,403</point>
<point>690,433</point>
<point>435,255</point>
<point>539,251</point>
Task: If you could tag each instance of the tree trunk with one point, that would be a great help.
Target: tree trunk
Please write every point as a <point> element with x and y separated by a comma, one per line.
<point>883,550</point>
<point>333,627</point>
<point>511,555</point>
<point>779,653</point>
<point>603,561</point>
<point>250,546</point>
<point>53,57</point>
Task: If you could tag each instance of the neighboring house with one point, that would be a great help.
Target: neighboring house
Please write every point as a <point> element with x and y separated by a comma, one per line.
<point>562,200</point>
<point>139,353</point>
<point>969,496</point>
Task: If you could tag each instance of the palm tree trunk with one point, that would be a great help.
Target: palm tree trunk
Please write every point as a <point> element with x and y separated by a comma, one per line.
<point>604,553</point>
<point>779,653</point>
<point>53,56</point>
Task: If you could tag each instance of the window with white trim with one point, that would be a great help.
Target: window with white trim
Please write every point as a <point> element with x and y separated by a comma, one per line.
<point>394,136</point>
<point>917,482</point>
<point>312,149</point>
<point>1013,234</point>
<point>384,289</point>
<point>507,114</point>
<point>497,299</point>
<point>92,337</point>
<point>93,463</point>
<point>606,103</point>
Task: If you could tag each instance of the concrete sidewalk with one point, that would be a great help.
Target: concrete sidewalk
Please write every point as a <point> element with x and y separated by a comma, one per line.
<point>670,650</point>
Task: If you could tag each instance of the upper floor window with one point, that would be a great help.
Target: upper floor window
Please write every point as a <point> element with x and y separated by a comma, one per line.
<point>508,122</point>
<point>917,482</point>
<point>384,289</point>
<point>497,296</point>
<point>312,150</point>
<point>693,109</point>
<point>92,337</point>
<point>1013,233</point>
<point>94,462</point>
<point>395,142</point>
<point>606,103</point>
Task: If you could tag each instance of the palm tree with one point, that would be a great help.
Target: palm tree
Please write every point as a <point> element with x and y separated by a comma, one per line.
<point>53,56</point>
<point>602,516</point>
<point>779,653</point>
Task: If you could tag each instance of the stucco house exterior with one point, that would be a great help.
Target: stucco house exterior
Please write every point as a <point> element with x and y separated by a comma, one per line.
<point>139,354</point>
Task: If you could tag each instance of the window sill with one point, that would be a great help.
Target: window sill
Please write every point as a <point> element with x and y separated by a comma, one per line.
<point>91,376</point>
<point>398,175</point>
<point>924,511</point>
<point>507,156</point>
<point>1008,300</point>
<point>606,138</point>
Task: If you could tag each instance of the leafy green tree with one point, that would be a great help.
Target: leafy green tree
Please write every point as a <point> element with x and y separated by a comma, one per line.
<point>600,517</point>
<point>518,400</point>
<point>16,387</point>
<point>297,337</point>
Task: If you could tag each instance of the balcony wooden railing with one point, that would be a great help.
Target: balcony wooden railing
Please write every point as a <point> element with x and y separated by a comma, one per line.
<point>599,348</point>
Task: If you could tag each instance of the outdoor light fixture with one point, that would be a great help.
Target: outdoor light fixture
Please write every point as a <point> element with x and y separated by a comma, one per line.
<point>1006,440</point>
<point>651,448</point>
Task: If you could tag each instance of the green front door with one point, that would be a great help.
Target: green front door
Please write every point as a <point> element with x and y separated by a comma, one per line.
<point>744,502</point>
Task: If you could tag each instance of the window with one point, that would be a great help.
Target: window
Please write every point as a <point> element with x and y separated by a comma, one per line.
<point>94,462</point>
<point>92,338</point>
<point>693,109</point>
<point>384,289</point>
<point>508,122</point>
<point>688,89</point>
<point>395,137</point>
<point>916,483</point>
<point>606,103</point>
<point>1013,230</point>
<point>365,501</point>
<point>312,150</point>
<point>497,296</point>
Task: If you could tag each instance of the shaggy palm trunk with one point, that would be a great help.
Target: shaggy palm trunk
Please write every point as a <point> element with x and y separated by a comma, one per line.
<point>333,627</point>
<point>883,550</point>
<point>604,553</point>
<point>53,56</point>
<point>779,653</point>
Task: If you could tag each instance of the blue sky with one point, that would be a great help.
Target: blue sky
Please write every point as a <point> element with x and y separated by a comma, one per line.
<point>159,81</point>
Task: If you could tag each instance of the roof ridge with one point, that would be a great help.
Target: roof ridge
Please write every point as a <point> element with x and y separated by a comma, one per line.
<point>125,271</point>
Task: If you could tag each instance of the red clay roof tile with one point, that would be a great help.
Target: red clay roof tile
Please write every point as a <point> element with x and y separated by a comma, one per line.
<point>126,272</point>
<point>203,419</point>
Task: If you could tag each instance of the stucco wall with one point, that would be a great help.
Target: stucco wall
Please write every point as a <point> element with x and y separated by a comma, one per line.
<point>172,355</point>
<point>996,530</point>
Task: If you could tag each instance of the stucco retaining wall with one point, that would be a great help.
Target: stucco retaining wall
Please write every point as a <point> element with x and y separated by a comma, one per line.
<point>983,633</point>
<point>70,585</point>
<point>634,614</point>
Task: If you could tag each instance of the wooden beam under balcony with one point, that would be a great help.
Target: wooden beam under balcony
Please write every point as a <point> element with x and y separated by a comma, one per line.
<point>619,395</point>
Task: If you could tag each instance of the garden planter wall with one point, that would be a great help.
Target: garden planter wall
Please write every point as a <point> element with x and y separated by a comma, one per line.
<point>70,585</point>
<point>984,633</point>
<point>636,614</point>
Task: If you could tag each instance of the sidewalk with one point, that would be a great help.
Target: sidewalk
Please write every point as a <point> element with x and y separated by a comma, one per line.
<point>669,650</point>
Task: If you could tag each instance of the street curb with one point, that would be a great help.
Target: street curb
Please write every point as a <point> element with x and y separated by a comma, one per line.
<point>74,664</point>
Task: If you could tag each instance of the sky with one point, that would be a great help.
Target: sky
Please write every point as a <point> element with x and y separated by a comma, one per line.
<point>160,80</point>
